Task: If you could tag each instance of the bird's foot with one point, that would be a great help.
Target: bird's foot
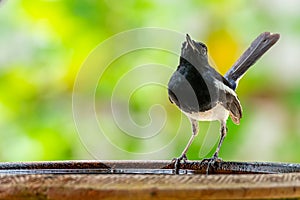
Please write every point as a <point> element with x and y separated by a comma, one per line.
<point>177,162</point>
<point>211,161</point>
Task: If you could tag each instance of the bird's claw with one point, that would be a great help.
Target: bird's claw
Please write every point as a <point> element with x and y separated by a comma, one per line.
<point>211,162</point>
<point>181,158</point>
<point>177,162</point>
<point>212,159</point>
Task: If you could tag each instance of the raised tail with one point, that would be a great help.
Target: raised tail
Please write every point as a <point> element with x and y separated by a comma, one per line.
<point>257,48</point>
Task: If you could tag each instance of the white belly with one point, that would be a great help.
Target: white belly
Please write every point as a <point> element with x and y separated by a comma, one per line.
<point>216,113</point>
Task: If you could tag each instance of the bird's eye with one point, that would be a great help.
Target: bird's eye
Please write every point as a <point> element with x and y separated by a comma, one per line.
<point>203,51</point>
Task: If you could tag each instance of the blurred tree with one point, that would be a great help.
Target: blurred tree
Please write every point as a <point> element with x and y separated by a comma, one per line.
<point>44,43</point>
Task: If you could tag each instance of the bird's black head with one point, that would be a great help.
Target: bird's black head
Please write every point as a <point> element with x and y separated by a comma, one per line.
<point>194,52</point>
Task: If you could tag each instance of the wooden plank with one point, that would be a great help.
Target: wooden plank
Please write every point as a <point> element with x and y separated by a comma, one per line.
<point>154,167</point>
<point>131,186</point>
<point>148,180</point>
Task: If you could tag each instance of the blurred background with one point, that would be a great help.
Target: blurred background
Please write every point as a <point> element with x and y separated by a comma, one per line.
<point>43,45</point>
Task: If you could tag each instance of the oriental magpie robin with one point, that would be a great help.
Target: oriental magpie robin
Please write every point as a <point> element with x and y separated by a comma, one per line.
<point>203,94</point>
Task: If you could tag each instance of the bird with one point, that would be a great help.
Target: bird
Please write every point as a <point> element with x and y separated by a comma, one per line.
<point>203,94</point>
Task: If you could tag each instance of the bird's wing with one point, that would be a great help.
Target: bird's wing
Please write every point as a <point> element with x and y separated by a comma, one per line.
<point>229,100</point>
<point>235,108</point>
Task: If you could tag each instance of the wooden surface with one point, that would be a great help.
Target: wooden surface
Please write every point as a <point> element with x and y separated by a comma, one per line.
<point>148,180</point>
<point>121,186</point>
<point>144,167</point>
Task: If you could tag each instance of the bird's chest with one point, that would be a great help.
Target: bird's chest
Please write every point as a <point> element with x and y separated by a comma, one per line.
<point>216,113</point>
<point>190,91</point>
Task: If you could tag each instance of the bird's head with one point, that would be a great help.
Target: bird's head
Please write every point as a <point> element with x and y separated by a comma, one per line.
<point>194,52</point>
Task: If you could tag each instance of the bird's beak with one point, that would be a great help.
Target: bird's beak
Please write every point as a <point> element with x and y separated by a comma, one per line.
<point>189,41</point>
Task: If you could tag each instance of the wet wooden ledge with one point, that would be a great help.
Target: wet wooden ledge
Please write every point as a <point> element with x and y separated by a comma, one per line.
<point>148,180</point>
<point>144,167</point>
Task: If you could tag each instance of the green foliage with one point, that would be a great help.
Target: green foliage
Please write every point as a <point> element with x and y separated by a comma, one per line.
<point>44,43</point>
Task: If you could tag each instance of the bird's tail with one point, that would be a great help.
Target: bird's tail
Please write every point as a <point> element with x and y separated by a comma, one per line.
<point>258,47</point>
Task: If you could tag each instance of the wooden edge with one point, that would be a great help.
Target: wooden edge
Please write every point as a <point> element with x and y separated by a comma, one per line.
<point>149,166</point>
<point>131,186</point>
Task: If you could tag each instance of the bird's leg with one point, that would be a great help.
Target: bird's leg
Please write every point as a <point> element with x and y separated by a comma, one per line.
<point>195,128</point>
<point>183,157</point>
<point>223,135</point>
<point>215,157</point>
